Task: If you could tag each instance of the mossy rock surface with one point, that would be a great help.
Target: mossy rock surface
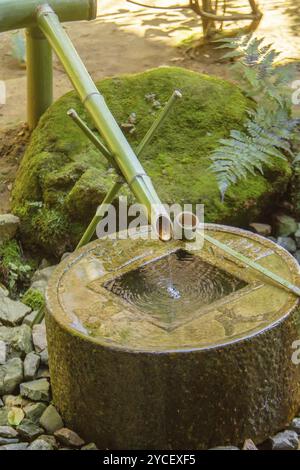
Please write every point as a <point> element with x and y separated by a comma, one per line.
<point>62,178</point>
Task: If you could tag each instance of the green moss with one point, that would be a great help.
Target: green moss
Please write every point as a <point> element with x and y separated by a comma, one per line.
<point>65,174</point>
<point>34,299</point>
<point>15,270</point>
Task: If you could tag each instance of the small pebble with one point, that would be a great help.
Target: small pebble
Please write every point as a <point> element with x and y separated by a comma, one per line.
<point>29,430</point>
<point>4,441</point>
<point>34,411</point>
<point>295,425</point>
<point>287,243</point>
<point>19,446</point>
<point>90,446</point>
<point>261,229</point>
<point>8,432</point>
<point>68,437</point>
<point>40,444</point>
<point>51,420</point>
<point>36,390</point>
<point>225,448</point>
<point>31,365</point>
<point>249,445</point>
<point>286,440</point>
<point>39,337</point>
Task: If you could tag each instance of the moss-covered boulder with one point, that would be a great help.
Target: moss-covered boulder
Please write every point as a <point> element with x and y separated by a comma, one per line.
<point>63,178</point>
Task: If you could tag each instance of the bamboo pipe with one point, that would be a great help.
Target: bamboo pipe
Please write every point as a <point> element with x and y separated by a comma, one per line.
<point>39,75</point>
<point>130,167</point>
<point>19,14</point>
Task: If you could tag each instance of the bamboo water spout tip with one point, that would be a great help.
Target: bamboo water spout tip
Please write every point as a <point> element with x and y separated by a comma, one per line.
<point>164,228</point>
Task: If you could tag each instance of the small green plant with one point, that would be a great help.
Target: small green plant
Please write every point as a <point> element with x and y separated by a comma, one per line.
<point>34,299</point>
<point>15,272</point>
<point>269,130</point>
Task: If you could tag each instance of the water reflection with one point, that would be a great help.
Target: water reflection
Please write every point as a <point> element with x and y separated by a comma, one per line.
<point>177,284</point>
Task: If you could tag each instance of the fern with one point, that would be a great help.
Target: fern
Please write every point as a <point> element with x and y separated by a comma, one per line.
<point>268,130</point>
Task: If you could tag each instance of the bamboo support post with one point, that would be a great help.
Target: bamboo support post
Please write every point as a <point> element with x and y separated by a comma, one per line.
<point>39,75</point>
<point>158,122</point>
<point>89,233</point>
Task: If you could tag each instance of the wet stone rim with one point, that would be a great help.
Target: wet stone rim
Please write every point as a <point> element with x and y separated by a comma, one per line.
<point>60,316</point>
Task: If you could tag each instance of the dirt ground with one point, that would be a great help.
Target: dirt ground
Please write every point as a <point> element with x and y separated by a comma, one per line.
<point>124,39</point>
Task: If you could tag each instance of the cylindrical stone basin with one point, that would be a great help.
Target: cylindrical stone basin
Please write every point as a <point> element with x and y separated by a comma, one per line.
<point>154,346</point>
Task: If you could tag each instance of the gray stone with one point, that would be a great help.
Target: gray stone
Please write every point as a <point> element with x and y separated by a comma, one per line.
<point>36,390</point>
<point>295,425</point>
<point>4,416</point>
<point>11,375</point>
<point>34,411</point>
<point>40,444</point>
<point>31,365</point>
<point>31,318</point>
<point>29,430</point>
<point>18,339</point>
<point>43,372</point>
<point>1,403</point>
<point>225,448</point>
<point>297,256</point>
<point>297,237</point>
<point>44,357</point>
<point>9,224</point>
<point>50,439</point>
<point>285,225</point>
<point>39,337</point>
<point>249,445</point>
<point>5,440</point>
<point>68,438</point>
<point>8,432</point>
<point>40,279</point>
<point>3,352</point>
<point>51,420</point>
<point>262,229</point>
<point>14,401</point>
<point>12,313</point>
<point>19,446</point>
<point>90,446</point>
<point>286,440</point>
<point>15,416</point>
<point>287,243</point>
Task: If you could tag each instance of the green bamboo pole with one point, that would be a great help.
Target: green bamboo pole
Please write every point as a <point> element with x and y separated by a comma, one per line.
<point>19,14</point>
<point>125,158</point>
<point>278,280</point>
<point>158,122</point>
<point>91,136</point>
<point>39,75</point>
<point>88,235</point>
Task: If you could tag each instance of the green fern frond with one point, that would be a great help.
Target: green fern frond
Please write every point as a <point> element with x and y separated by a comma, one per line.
<point>248,151</point>
<point>268,131</point>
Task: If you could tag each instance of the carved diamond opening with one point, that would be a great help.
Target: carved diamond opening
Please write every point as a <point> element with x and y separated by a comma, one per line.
<point>173,289</point>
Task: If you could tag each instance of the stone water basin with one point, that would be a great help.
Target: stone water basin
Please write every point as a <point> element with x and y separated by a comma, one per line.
<point>157,345</point>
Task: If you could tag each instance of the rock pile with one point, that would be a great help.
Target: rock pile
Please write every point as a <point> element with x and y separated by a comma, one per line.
<point>28,419</point>
<point>285,230</point>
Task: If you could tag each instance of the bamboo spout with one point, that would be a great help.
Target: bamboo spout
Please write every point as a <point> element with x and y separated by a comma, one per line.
<point>124,156</point>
